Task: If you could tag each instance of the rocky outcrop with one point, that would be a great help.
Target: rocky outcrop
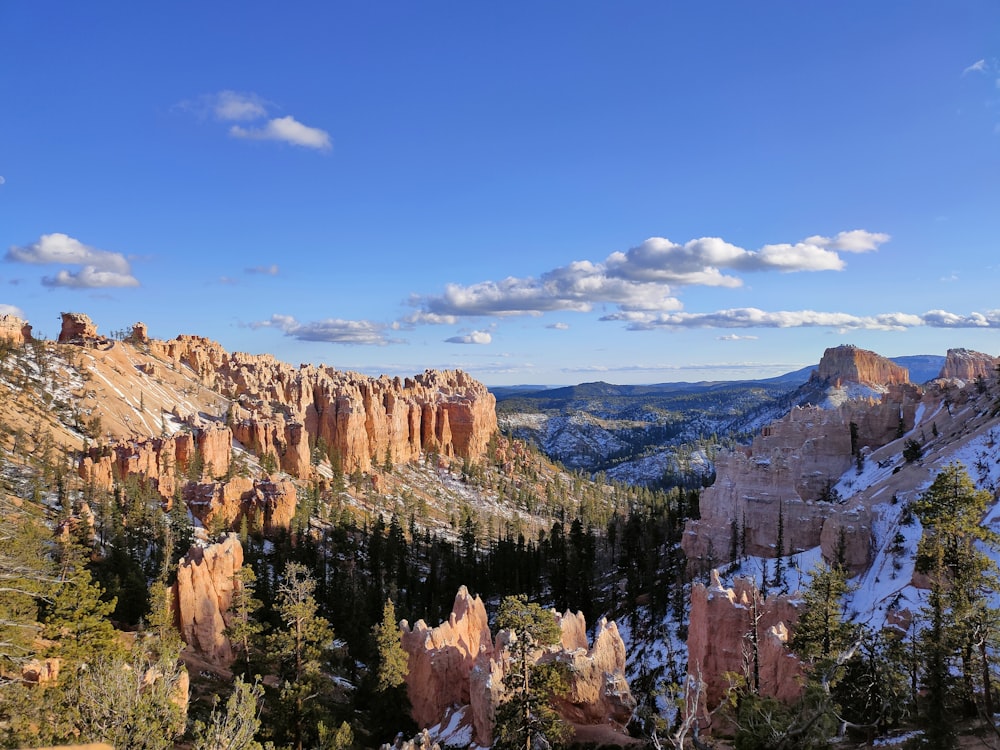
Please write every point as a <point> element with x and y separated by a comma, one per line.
<point>163,463</point>
<point>76,328</point>
<point>441,658</point>
<point>459,663</point>
<point>267,504</point>
<point>967,365</point>
<point>14,330</point>
<point>787,472</point>
<point>720,640</point>
<point>202,595</point>
<point>850,364</point>
<point>284,410</point>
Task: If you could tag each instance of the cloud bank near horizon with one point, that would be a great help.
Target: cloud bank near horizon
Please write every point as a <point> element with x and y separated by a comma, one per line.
<point>640,283</point>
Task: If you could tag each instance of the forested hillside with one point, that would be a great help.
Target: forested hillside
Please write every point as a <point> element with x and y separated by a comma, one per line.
<point>91,560</point>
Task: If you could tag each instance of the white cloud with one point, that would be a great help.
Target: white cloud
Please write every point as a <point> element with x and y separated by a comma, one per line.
<point>640,279</point>
<point>979,66</point>
<point>286,129</point>
<point>11,310</point>
<point>329,330</point>
<point>233,105</point>
<point>271,270</point>
<point>474,337</point>
<point>100,268</point>
<point>751,317</point>
<point>559,326</point>
<point>2,180</point>
<point>248,107</point>
<point>735,337</point>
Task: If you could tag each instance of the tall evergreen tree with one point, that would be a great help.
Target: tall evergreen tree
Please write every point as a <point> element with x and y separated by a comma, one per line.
<point>300,648</point>
<point>525,715</point>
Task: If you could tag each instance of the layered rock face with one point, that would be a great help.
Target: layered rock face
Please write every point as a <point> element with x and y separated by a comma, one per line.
<point>968,365</point>
<point>441,658</point>
<point>164,463</point>
<point>202,595</point>
<point>851,364</point>
<point>14,329</point>
<point>459,663</point>
<point>788,470</point>
<point>283,411</point>
<point>267,504</point>
<point>720,641</point>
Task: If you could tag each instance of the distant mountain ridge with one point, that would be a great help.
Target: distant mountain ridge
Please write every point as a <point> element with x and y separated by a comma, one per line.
<point>644,433</point>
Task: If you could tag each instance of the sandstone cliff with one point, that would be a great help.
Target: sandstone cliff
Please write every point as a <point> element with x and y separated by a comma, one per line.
<point>202,595</point>
<point>967,365</point>
<point>14,330</point>
<point>851,364</point>
<point>459,663</point>
<point>788,471</point>
<point>76,328</point>
<point>720,640</point>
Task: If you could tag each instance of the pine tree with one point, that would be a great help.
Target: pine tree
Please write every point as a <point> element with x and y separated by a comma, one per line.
<point>76,617</point>
<point>244,630</point>
<point>392,659</point>
<point>822,632</point>
<point>236,726</point>
<point>525,715</point>
<point>301,651</point>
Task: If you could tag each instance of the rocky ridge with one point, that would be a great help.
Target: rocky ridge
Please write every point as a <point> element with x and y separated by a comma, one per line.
<point>190,420</point>
<point>852,456</point>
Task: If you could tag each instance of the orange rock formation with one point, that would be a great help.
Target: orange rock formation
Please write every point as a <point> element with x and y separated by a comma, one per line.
<point>849,363</point>
<point>720,640</point>
<point>459,663</point>
<point>968,365</point>
<point>202,595</point>
<point>15,330</point>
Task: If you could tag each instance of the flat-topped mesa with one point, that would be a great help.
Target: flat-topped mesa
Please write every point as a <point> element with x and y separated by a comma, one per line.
<point>968,366</point>
<point>849,364</point>
<point>15,330</point>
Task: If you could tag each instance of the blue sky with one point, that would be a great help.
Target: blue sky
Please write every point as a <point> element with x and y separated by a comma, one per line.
<point>551,192</point>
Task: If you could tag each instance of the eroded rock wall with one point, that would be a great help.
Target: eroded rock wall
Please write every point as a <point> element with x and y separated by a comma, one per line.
<point>720,640</point>
<point>459,663</point>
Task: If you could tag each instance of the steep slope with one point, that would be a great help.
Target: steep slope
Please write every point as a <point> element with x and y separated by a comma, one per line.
<point>840,483</point>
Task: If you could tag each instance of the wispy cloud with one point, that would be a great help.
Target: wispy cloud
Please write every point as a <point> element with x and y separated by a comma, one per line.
<point>11,310</point>
<point>735,337</point>
<point>640,279</point>
<point>286,129</point>
<point>559,326</point>
<point>473,337</point>
<point>751,317</point>
<point>979,66</point>
<point>248,107</point>
<point>99,268</point>
<point>271,270</point>
<point>330,330</point>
